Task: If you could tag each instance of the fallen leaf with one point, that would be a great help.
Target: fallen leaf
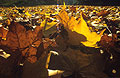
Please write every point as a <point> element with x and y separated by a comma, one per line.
<point>5,55</point>
<point>25,41</point>
<point>80,27</point>
<point>63,17</point>
<point>3,33</point>
<point>92,37</point>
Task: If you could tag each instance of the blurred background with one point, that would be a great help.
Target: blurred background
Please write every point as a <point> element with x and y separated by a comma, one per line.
<point>54,2</point>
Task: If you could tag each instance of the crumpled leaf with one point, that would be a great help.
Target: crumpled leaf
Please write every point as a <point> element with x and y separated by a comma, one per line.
<point>3,33</point>
<point>80,27</point>
<point>25,41</point>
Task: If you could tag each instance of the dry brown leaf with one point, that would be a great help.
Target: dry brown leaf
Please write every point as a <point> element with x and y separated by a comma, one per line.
<point>25,41</point>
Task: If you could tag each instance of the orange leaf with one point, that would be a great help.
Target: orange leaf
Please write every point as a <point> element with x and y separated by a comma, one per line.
<point>3,33</point>
<point>63,17</point>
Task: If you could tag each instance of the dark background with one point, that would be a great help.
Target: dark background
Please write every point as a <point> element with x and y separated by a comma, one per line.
<point>54,2</point>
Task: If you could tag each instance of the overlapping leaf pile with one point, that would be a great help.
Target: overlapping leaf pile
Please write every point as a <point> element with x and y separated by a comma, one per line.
<point>30,42</point>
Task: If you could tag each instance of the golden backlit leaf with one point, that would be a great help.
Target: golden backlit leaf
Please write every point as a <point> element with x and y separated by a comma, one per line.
<point>48,60</point>
<point>80,27</point>
<point>72,23</point>
<point>63,17</point>
<point>92,37</point>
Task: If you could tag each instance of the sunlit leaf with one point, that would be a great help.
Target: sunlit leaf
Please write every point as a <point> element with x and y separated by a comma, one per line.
<point>80,27</point>
<point>92,37</point>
